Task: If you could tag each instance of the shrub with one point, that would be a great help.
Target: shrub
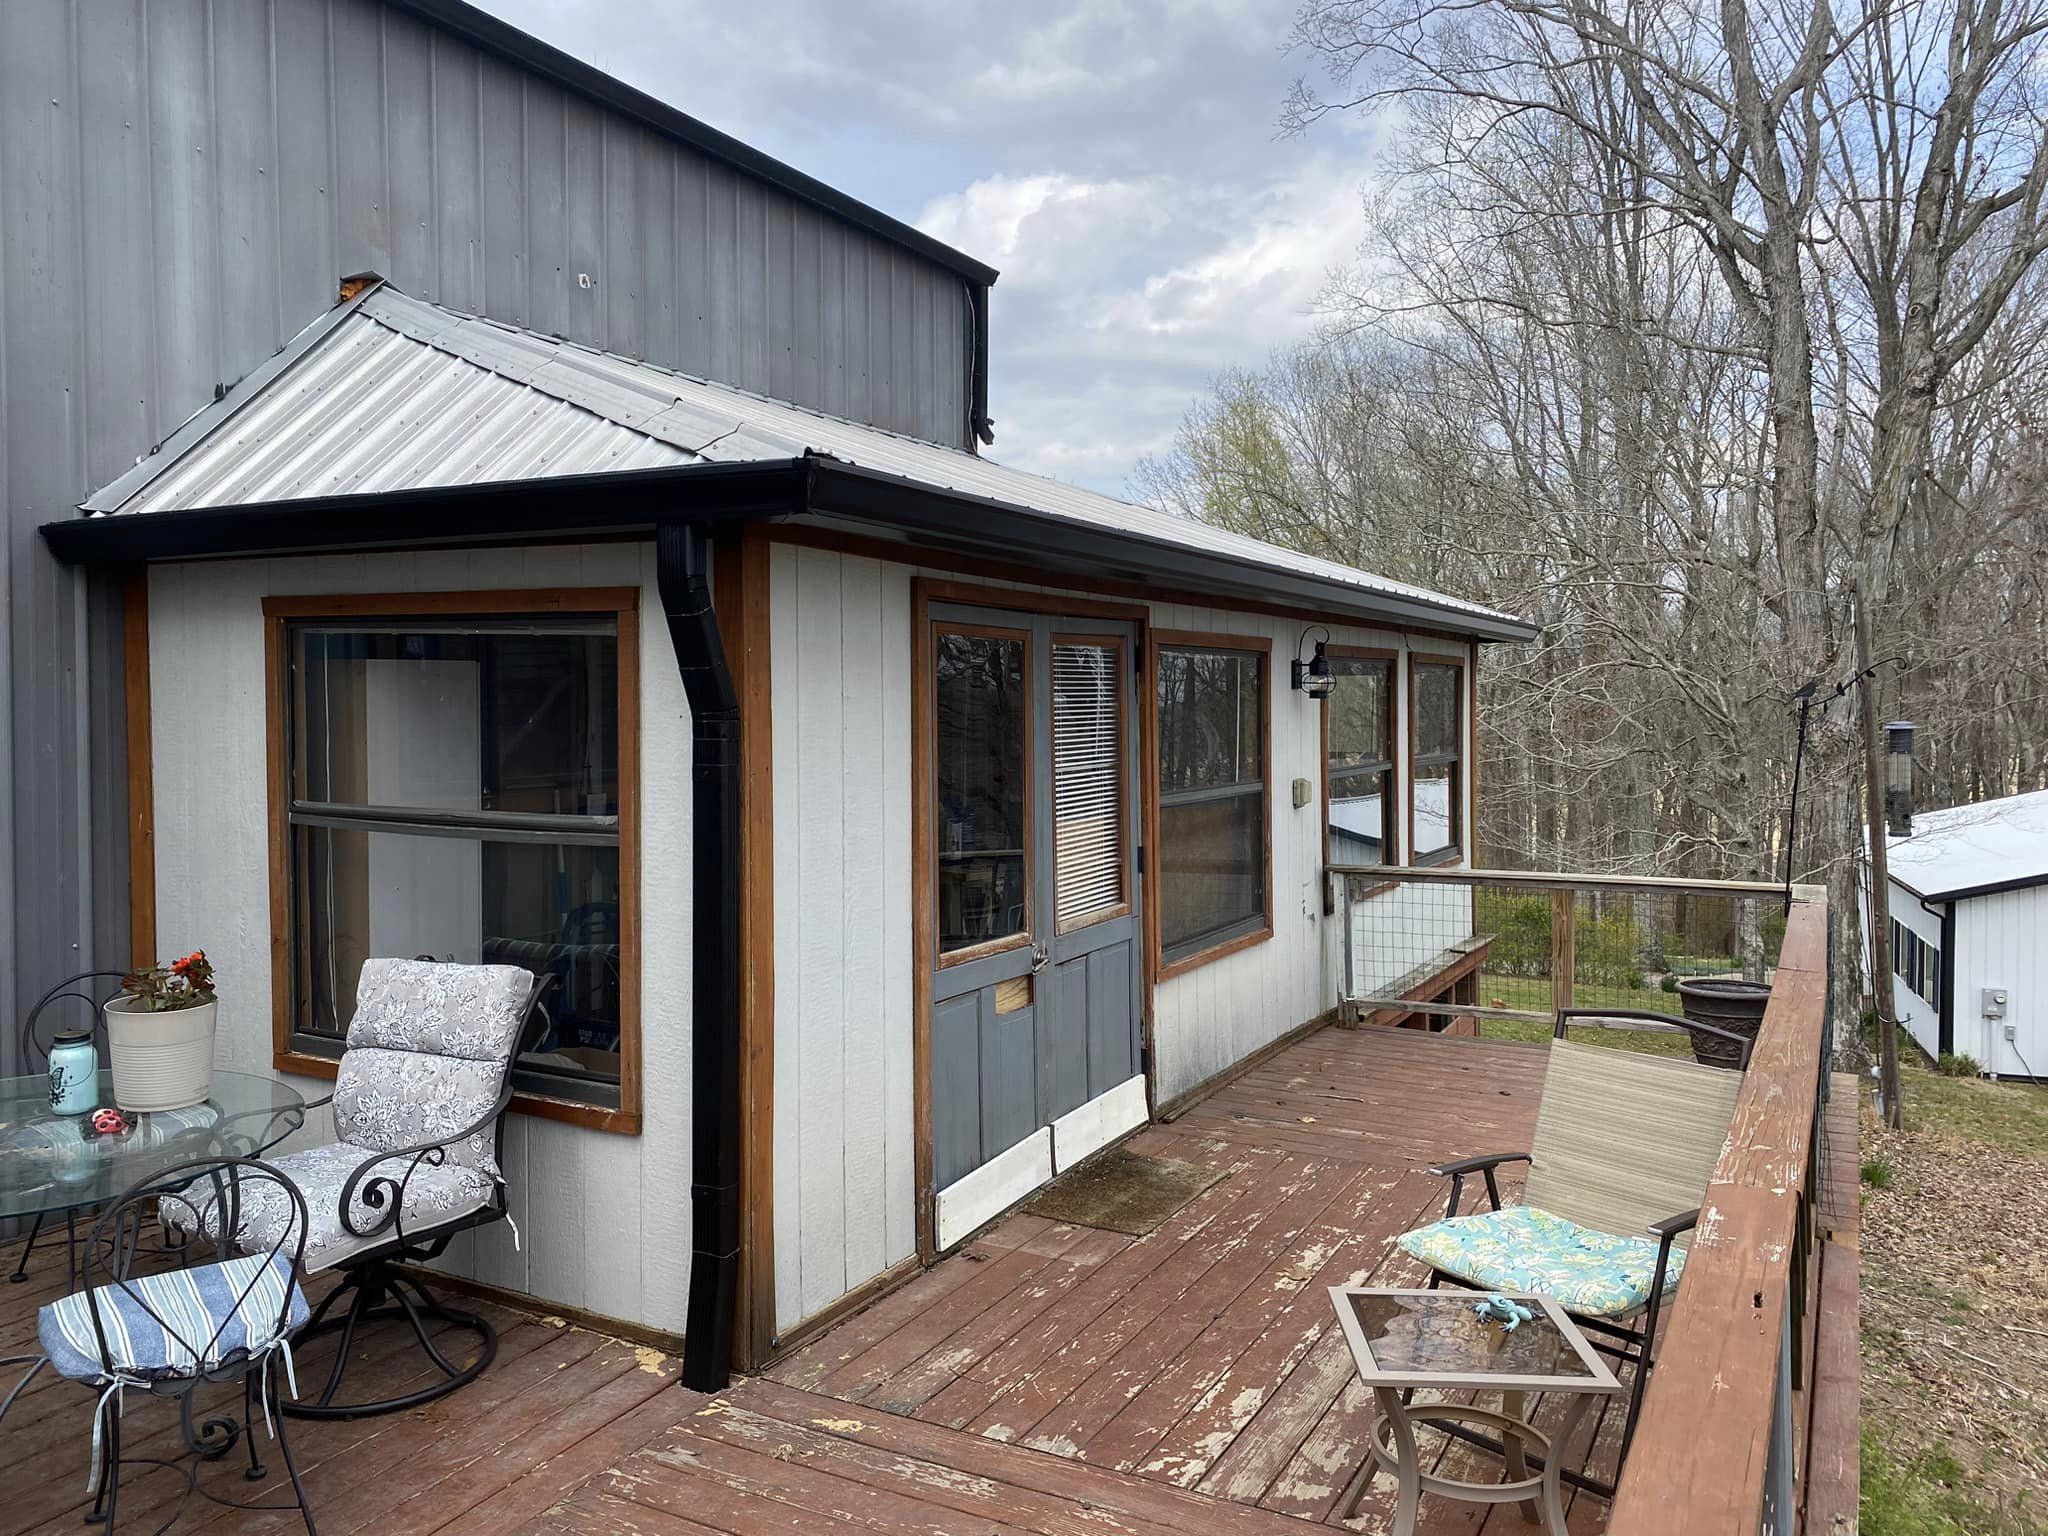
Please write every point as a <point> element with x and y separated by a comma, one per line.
<point>1669,983</point>
<point>1958,1064</point>
<point>1520,929</point>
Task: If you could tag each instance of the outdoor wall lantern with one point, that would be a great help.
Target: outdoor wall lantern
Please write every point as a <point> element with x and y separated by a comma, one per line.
<point>1312,677</point>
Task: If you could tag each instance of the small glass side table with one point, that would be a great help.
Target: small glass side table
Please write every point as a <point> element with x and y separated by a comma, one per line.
<point>1408,1340</point>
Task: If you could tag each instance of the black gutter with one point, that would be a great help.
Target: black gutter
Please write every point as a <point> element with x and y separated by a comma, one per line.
<point>630,502</point>
<point>535,57</point>
<point>682,569</point>
<point>607,503</point>
<point>971,523</point>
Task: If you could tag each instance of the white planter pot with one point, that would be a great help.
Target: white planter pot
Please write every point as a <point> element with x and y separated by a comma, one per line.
<point>160,1060</point>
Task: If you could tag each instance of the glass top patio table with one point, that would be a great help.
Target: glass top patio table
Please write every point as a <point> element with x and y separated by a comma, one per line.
<point>1418,1338</point>
<point>51,1162</point>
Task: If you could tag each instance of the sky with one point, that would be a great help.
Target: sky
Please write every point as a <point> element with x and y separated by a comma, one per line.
<point>1118,161</point>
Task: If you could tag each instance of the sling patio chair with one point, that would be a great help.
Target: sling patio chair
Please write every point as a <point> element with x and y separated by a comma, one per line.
<point>1625,1144</point>
<point>419,1107</point>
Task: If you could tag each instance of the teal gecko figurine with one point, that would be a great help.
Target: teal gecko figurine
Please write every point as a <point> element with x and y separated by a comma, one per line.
<point>1509,1314</point>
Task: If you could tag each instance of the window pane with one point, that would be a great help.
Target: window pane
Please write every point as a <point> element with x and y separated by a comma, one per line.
<point>470,717</point>
<point>1436,808</point>
<point>1088,781</point>
<point>1361,712</point>
<point>983,711</point>
<point>1210,719</point>
<point>1358,812</point>
<point>1436,710</point>
<point>1212,869</point>
<point>551,908</point>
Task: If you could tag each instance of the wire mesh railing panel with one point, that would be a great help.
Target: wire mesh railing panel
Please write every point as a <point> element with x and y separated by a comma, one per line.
<point>1458,943</point>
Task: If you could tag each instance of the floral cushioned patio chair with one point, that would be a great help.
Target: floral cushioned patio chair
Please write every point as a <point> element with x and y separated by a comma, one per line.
<point>419,1103</point>
<point>1625,1144</point>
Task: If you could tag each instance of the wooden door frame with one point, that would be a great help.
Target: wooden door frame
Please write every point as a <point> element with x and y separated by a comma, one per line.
<point>926,591</point>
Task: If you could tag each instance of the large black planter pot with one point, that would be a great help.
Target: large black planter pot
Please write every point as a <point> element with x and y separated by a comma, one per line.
<point>1736,1006</point>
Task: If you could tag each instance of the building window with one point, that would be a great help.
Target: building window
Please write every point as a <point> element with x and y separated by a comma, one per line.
<point>1436,755</point>
<point>458,785</point>
<point>1212,798</point>
<point>1358,754</point>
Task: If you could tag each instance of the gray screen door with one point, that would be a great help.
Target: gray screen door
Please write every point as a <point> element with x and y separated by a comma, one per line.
<point>1036,993</point>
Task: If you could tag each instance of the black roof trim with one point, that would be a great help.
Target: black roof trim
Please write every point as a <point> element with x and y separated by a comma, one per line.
<point>615,502</point>
<point>608,502</point>
<point>530,53</point>
<point>1965,892</point>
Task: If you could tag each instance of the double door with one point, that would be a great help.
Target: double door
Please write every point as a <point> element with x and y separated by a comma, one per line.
<point>1036,1001</point>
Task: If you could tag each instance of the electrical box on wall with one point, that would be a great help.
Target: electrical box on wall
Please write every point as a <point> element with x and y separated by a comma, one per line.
<point>1994,1002</point>
<point>1303,793</point>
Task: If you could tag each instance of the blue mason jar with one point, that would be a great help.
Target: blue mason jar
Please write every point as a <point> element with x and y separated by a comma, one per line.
<point>74,1074</point>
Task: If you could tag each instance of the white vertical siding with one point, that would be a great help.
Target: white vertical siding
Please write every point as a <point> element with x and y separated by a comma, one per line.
<point>1922,1019</point>
<point>603,1219</point>
<point>2000,940</point>
<point>840,637</point>
<point>841,643</point>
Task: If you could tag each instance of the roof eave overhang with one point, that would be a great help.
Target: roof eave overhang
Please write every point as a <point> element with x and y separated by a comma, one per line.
<point>1969,892</point>
<point>623,503</point>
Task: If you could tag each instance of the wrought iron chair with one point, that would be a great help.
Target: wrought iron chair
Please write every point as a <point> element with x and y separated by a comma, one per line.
<point>1625,1144</point>
<point>38,1035</point>
<point>166,1333</point>
<point>419,1103</point>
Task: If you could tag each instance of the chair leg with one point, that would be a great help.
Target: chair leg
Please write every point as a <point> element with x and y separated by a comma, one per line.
<point>112,1485</point>
<point>382,1294</point>
<point>284,1449</point>
<point>21,1269</point>
<point>251,1409</point>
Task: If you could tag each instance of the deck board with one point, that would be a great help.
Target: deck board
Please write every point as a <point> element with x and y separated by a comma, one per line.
<point>1048,1380</point>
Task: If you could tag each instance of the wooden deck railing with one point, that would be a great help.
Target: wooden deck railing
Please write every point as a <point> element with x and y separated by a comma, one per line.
<point>1714,1454</point>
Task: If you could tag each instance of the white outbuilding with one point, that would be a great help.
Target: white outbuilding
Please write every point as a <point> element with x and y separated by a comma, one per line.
<point>1969,906</point>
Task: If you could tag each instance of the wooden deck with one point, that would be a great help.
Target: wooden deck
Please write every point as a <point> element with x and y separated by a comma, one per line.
<point>1048,1379</point>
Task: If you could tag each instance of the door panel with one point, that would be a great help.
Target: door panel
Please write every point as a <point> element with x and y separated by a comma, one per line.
<point>1036,991</point>
<point>1112,1026</point>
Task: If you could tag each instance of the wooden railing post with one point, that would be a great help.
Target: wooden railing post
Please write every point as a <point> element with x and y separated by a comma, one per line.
<point>1564,920</point>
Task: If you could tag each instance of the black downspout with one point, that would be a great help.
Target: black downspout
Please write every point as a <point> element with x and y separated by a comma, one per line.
<point>682,576</point>
<point>980,428</point>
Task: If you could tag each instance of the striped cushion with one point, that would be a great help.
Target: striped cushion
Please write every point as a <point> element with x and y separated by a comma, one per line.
<point>174,1324</point>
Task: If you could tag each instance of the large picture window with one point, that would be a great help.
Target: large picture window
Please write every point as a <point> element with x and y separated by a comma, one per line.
<point>1358,747</point>
<point>456,785</point>
<point>1437,759</point>
<point>1213,811</point>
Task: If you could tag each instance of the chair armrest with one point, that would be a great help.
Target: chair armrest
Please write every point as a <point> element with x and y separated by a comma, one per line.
<point>1477,1164</point>
<point>1483,1165</point>
<point>1671,1226</point>
<point>386,1187</point>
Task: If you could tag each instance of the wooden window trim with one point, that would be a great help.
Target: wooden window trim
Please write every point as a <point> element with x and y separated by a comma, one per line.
<point>1118,644</point>
<point>1188,639</point>
<point>1459,852</point>
<point>623,603</point>
<point>1393,817</point>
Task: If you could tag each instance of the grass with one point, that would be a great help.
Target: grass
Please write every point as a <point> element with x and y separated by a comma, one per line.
<point>1919,1497</point>
<point>1533,994</point>
<point>1877,1173</point>
<point>2012,1117</point>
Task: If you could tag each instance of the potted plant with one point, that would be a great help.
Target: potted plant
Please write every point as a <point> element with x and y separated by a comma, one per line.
<point>160,1035</point>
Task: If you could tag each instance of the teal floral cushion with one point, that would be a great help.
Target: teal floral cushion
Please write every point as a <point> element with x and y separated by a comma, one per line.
<point>1595,1274</point>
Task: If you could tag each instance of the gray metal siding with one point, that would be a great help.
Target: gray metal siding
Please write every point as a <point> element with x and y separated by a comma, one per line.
<point>181,184</point>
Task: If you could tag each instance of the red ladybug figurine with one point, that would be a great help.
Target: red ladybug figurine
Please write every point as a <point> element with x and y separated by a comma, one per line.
<point>109,1122</point>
